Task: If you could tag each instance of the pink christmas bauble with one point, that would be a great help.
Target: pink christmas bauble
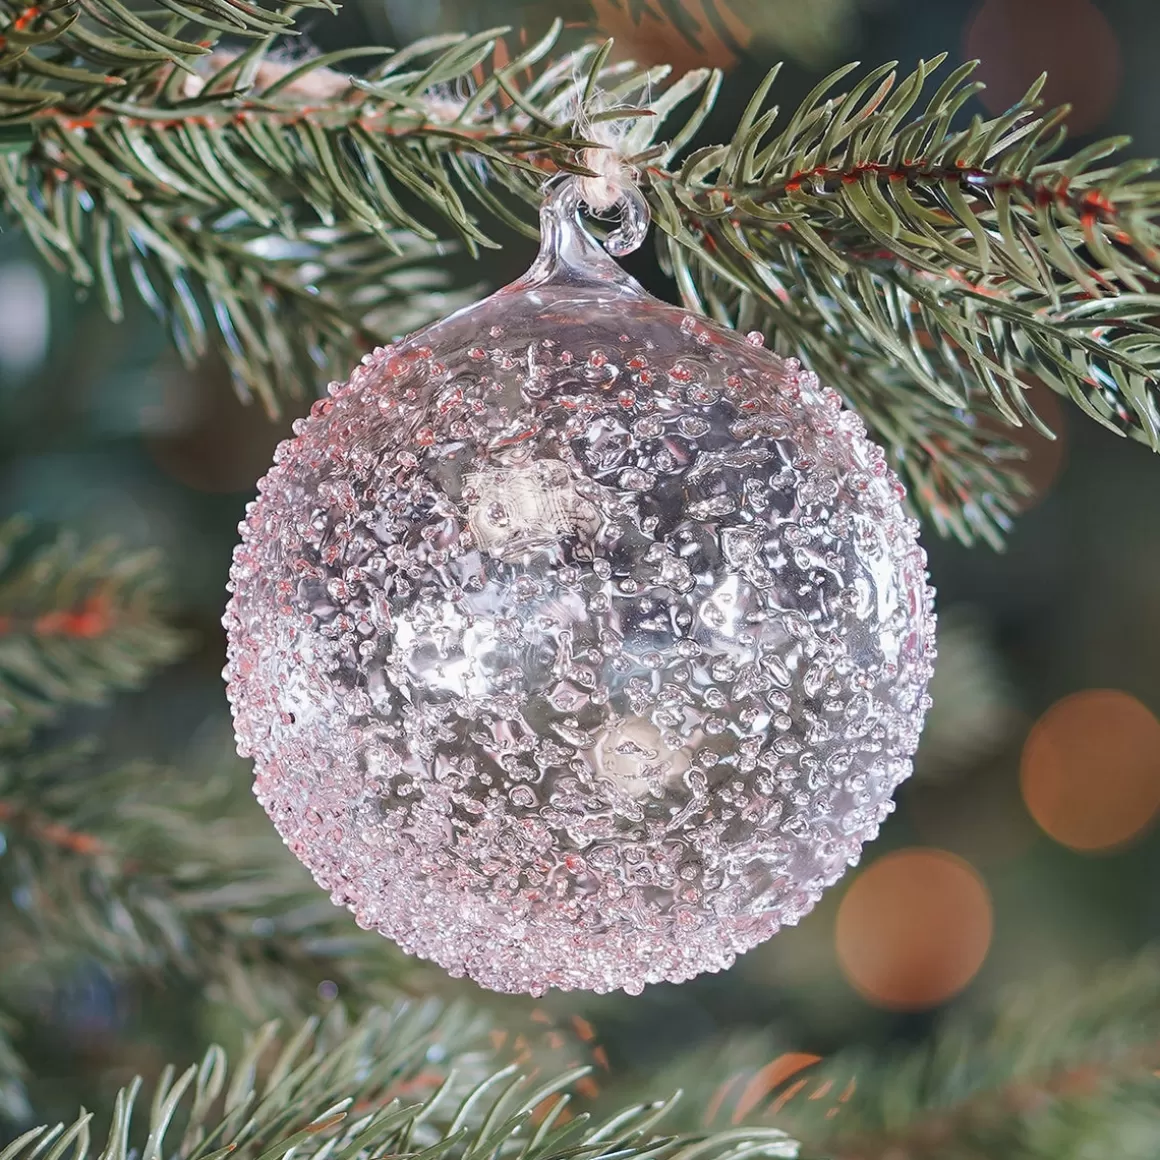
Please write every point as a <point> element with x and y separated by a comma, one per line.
<point>577,641</point>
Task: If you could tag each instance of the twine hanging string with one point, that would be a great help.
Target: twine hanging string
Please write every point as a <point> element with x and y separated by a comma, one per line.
<point>613,175</point>
<point>613,181</point>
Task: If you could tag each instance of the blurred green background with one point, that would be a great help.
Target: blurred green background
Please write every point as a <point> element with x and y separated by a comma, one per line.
<point>1024,841</point>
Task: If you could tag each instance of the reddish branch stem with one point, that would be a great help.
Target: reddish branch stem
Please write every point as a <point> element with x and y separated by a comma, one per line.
<point>92,618</point>
<point>1088,205</point>
<point>54,833</point>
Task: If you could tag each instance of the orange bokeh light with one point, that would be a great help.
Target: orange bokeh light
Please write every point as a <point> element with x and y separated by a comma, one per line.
<point>1016,40</point>
<point>1090,771</point>
<point>914,929</point>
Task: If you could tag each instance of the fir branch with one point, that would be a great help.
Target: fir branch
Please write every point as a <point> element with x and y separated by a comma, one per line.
<point>72,55</point>
<point>1066,1068</point>
<point>75,624</point>
<point>1063,1072</point>
<point>177,881</point>
<point>280,226</point>
<point>968,258</point>
<point>286,311</point>
<point>349,1091</point>
<point>925,270</point>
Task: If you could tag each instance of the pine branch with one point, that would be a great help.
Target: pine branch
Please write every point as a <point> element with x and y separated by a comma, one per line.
<point>1065,1069</point>
<point>72,55</point>
<point>75,624</point>
<point>1063,1072</point>
<point>363,1091</point>
<point>178,881</point>
<point>925,270</point>
<point>279,226</point>
<point>286,311</point>
<point>972,241</point>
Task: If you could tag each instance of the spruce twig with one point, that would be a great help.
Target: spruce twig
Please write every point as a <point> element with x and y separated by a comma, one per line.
<point>178,881</point>
<point>350,1090</point>
<point>75,624</point>
<point>1064,1068</point>
<point>14,1106</point>
<point>281,213</point>
<point>1064,1071</point>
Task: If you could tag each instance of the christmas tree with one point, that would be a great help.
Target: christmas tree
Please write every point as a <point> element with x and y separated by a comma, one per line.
<point>260,194</point>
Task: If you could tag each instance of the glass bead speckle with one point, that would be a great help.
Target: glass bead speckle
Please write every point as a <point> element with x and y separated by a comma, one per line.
<point>578,642</point>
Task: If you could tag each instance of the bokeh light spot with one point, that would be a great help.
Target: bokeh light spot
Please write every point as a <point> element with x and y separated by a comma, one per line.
<point>1090,771</point>
<point>24,317</point>
<point>1070,40</point>
<point>914,929</point>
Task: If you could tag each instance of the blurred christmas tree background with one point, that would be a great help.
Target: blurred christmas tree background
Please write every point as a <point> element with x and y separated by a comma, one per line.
<point>1025,842</point>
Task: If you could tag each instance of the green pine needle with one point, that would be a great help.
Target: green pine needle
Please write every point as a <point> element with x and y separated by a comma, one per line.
<point>14,1107</point>
<point>1065,1067</point>
<point>75,624</point>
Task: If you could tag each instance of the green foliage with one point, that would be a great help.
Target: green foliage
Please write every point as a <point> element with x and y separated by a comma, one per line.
<point>272,212</point>
<point>75,624</point>
<point>892,253</point>
<point>63,56</point>
<point>1062,1069</point>
<point>1065,1069</point>
<point>291,215</point>
<point>183,879</point>
<point>405,1082</point>
<point>287,216</point>
<point>163,881</point>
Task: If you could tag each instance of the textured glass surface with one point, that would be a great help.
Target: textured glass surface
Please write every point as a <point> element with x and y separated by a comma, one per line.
<point>578,642</point>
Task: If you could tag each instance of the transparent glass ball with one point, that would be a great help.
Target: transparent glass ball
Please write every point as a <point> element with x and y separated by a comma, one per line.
<point>577,641</point>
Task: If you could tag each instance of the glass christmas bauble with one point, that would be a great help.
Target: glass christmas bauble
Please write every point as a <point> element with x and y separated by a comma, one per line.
<point>578,641</point>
